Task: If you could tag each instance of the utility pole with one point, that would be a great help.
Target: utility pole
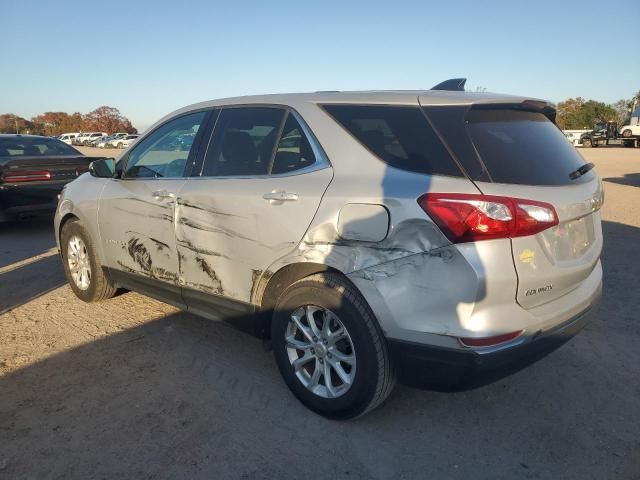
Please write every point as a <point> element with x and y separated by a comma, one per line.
<point>15,119</point>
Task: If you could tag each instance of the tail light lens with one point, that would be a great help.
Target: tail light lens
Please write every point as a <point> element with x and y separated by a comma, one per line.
<point>469,218</point>
<point>39,176</point>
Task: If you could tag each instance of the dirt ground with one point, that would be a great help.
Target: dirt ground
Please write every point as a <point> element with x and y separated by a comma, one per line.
<point>133,388</point>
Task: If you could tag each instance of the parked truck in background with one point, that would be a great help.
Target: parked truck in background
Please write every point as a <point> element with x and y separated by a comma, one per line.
<point>608,132</point>
<point>601,134</point>
<point>633,128</point>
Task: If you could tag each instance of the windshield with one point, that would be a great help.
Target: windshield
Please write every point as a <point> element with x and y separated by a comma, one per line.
<point>35,147</point>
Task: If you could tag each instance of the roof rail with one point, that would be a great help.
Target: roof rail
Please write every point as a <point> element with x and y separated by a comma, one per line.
<point>452,85</point>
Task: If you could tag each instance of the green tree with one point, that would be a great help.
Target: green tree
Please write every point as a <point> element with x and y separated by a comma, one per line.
<point>569,116</point>
<point>578,113</point>
<point>595,112</point>
<point>623,111</point>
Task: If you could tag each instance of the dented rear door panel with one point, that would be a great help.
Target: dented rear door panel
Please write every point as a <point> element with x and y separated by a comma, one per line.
<point>227,233</point>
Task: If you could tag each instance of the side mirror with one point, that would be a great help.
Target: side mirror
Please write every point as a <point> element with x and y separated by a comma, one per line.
<point>103,168</point>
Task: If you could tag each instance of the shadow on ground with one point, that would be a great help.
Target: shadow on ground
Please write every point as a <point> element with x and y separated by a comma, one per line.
<point>630,179</point>
<point>29,266</point>
<point>181,397</point>
<point>23,239</point>
<point>30,281</point>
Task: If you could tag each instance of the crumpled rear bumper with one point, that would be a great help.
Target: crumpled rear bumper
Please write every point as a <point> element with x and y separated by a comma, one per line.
<point>452,369</point>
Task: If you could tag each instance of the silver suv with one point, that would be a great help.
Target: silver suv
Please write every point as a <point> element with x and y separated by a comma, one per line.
<point>438,237</point>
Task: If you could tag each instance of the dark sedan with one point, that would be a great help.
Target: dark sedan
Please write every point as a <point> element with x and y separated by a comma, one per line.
<point>33,170</point>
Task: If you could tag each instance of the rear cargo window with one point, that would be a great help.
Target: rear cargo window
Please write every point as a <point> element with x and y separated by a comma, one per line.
<point>523,148</point>
<point>399,136</point>
<point>34,147</point>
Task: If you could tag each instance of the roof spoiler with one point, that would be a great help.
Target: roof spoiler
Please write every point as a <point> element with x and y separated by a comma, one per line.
<point>452,85</point>
<point>540,106</point>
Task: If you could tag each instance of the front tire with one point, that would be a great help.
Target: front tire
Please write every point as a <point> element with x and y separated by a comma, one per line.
<point>81,267</point>
<point>329,347</point>
<point>586,142</point>
<point>627,133</point>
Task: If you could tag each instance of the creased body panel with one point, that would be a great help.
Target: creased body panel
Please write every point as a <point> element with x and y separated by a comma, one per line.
<point>137,228</point>
<point>452,290</point>
<point>410,230</point>
<point>228,233</point>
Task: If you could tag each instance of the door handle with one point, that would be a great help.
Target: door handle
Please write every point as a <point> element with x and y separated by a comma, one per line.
<point>159,194</point>
<point>280,196</point>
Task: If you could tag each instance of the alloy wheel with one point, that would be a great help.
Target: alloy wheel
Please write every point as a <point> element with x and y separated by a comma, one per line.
<point>321,351</point>
<point>78,261</point>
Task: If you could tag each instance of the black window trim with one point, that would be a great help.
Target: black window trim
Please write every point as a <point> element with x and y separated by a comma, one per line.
<point>205,140</point>
<point>195,148</point>
<point>322,161</point>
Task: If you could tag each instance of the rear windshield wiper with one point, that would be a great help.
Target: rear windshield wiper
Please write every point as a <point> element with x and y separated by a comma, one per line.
<point>581,171</point>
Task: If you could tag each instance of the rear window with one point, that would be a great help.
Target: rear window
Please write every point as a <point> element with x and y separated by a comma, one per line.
<point>524,148</point>
<point>509,146</point>
<point>34,147</point>
<point>399,136</point>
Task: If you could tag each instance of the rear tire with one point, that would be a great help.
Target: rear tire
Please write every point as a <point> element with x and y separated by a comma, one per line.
<point>586,142</point>
<point>84,273</point>
<point>356,349</point>
<point>626,133</point>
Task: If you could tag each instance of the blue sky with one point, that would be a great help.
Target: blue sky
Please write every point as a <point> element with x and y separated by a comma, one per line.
<point>149,58</point>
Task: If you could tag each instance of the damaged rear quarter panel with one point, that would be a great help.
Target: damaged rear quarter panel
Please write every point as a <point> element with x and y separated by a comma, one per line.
<point>416,282</point>
<point>446,291</point>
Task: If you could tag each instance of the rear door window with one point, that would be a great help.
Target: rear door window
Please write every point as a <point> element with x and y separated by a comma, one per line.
<point>521,147</point>
<point>243,142</point>
<point>399,136</point>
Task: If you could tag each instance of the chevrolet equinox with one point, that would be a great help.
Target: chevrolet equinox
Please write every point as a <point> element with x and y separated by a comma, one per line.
<point>375,235</point>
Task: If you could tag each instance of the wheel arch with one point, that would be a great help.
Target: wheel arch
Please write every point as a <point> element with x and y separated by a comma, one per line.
<point>70,214</point>
<point>272,285</point>
<point>63,221</point>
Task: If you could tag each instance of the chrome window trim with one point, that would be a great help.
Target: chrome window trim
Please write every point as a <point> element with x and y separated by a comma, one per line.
<point>302,171</point>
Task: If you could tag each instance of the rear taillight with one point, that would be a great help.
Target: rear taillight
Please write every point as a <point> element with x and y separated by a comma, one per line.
<point>490,341</point>
<point>26,177</point>
<point>468,217</point>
